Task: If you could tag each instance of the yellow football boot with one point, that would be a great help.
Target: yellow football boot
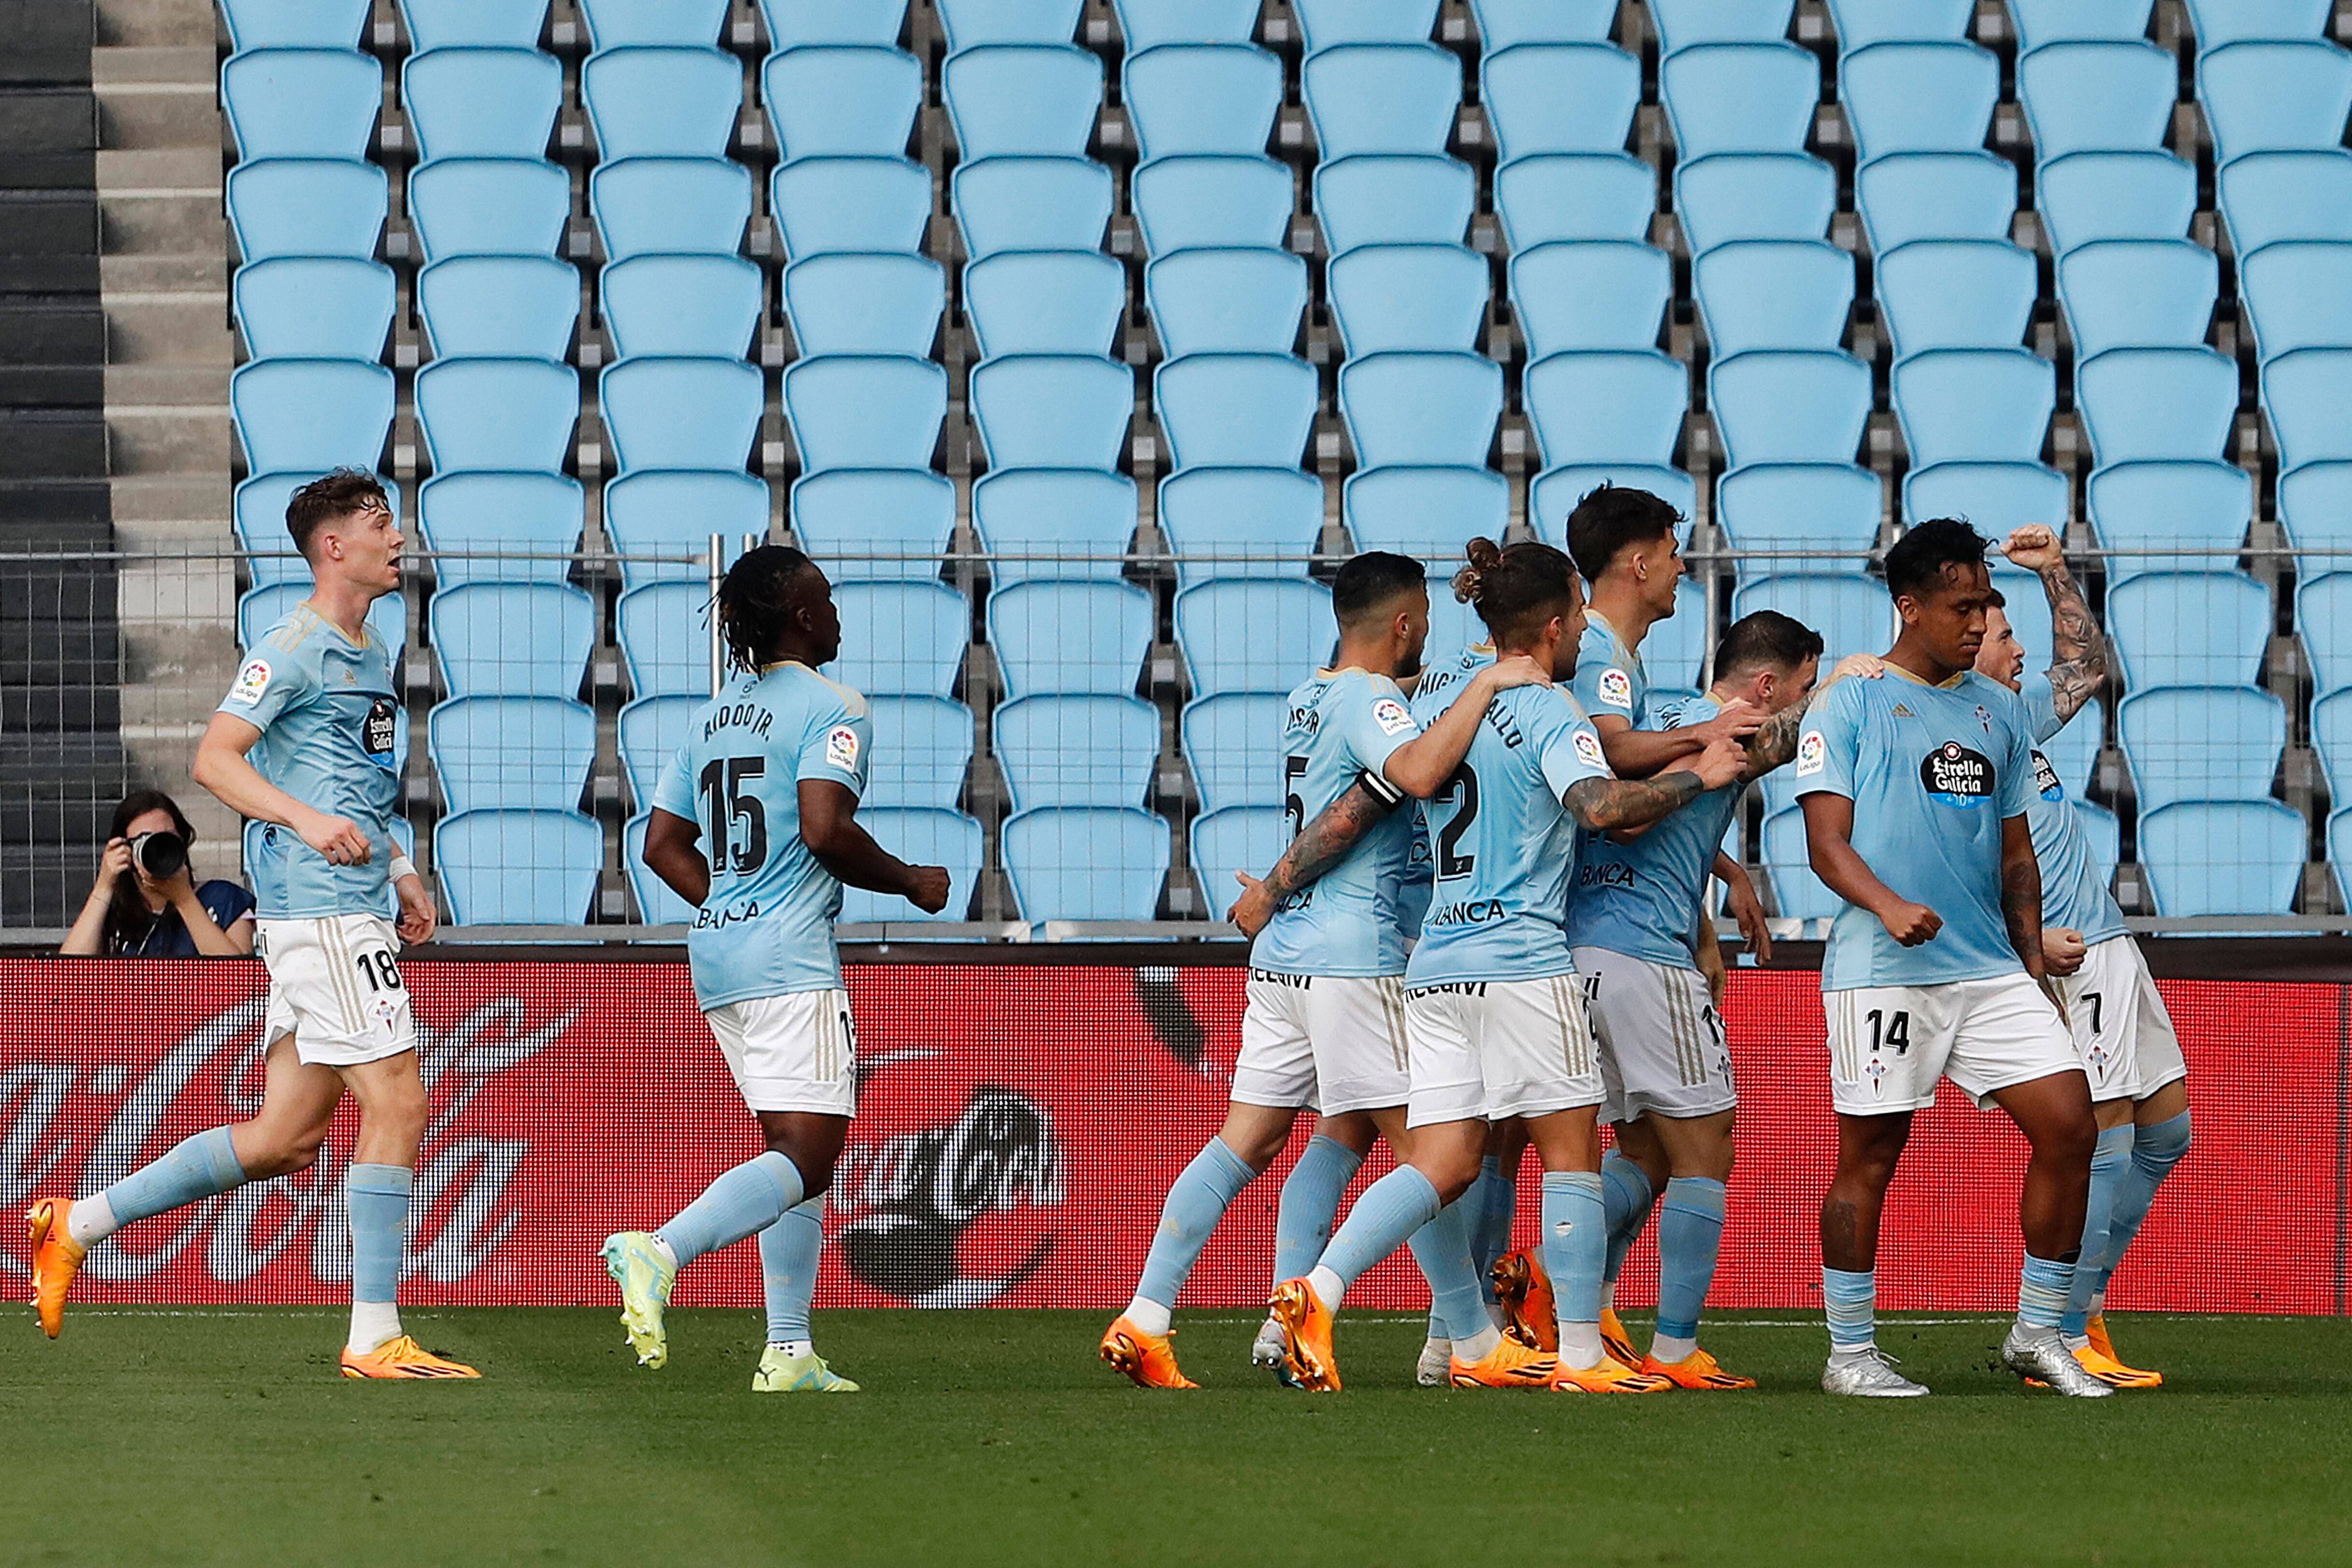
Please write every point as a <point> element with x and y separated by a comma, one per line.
<point>1509,1364</point>
<point>403,1357</point>
<point>1523,1291</point>
<point>56,1260</point>
<point>1305,1336</point>
<point>1696,1370</point>
<point>1611,1377</point>
<point>1148,1359</point>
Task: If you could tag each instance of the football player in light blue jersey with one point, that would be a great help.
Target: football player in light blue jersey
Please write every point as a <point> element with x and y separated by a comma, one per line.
<point>2122,1029</point>
<point>754,823</point>
<point>305,742</point>
<point>1494,1021</point>
<point>1915,788</point>
<point>1325,1023</point>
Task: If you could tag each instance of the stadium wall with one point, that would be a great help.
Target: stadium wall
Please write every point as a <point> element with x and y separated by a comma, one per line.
<point>1020,1124</point>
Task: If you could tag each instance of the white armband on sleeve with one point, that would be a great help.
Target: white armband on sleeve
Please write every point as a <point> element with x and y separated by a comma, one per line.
<point>1386,793</point>
<point>402,866</point>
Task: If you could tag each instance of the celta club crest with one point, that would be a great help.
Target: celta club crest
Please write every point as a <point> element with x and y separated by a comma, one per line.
<point>923,1194</point>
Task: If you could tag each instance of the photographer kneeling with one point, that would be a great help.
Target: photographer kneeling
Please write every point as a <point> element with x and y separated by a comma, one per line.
<point>146,906</point>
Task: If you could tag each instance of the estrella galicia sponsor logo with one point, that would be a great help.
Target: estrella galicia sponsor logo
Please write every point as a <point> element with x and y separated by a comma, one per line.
<point>1956,776</point>
<point>381,729</point>
<point>2045,778</point>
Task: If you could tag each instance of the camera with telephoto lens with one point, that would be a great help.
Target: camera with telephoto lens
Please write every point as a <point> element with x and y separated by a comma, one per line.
<point>161,856</point>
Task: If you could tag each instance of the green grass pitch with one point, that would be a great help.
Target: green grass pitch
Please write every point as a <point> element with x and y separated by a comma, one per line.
<point>984,1438</point>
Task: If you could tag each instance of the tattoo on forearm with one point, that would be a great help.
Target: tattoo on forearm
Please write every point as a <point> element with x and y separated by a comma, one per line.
<point>1602,804</point>
<point>1776,742</point>
<point>2021,910</point>
<point>1325,842</point>
<point>2078,649</point>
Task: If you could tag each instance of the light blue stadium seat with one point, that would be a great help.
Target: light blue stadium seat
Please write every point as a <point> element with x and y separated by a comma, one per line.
<point>1918,97</point>
<point>302,102</point>
<point>1420,408</point>
<point>294,24</point>
<point>2323,613</point>
<point>1740,97</point>
<point>1591,294</point>
<point>1861,23</point>
<point>1054,522</point>
<point>2138,294</point>
<point>671,206</point>
<point>653,512</point>
<point>1147,24</point>
<point>2274,97</point>
<point>1676,650</point>
<point>1201,99</point>
<point>531,519</point>
<point>665,412</point>
<point>310,414</point>
<point>1773,294</point>
<point>1085,863</point>
<point>1076,750</point>
<point>1253,635</point>
<point>969,22</point>
<point>1955,294</point>
<point>266,606</point>
<point>1783,406</point>
<point>1262,521</point>
<point>922,746</point>
<point>500,307</point>
<point>900,639</point>
<point>512,639</point>
<point>1070,636</point>
<point>492,24</point>
<point>1241,411</point>
<point>1453,625</point>
<point>1908,196</point>
<point>706,306</point>
<point>920,837</point>
<point>2306,394</point>
<point>2085,197</point>
<point>1558,98</point>
<point>2041,22</point>
<point>664,631</point>
<point>662,101</point>
<point>481,103</point>
<point>612,23</point>
<point>1052,411</point>
<point>1682,24</point>
<point>257,515</point>
<point>2270,196</point>
<point>511,414</point>
<point>2331,739</point>
<point>1184,203</point>
<point>865,411</point>
<point>1326,24</point>
<point>1557,489</point>
<point>1405,198</point>
<point>1409,297</point>
<point>842,101</point>
<point>330,307</point>
<point>2074,751</point>
<point>531,753</point>
<point>1219,301</point>
<point>1607,407</point>
<point>488,206</point>
<point>2170,506</point>
<point>2298,295</point>
<point>1997,498</point>
<point>1797,892</point>
<point>1851,612</point>
<point>1382,98</point>
<point>2156,403</point>
<point>1048,302</point>
<point>2233,857</point>
<point>1230,839</point>
<point>1230,742</point>
<point>841,303</point>
<point>1429,514</point>
<point>1801,506</point>
<point>873,524</point>
<point>656,905</point>
<point>517,867</point>
<point>2201,743</point>
<point>1031,204</point>
<point>1975,405</point>
<point>307,206</point>
<point>1548,196</point>
<point>1753,195</point>
<point>2220,22</point>
<point>650,732</point>
<point>827,204</point>
<point>2315,508</point>
<point>1022,101</point>
<point>2112,96</point>
<point>2189,628</point>
<point>1503,22</point>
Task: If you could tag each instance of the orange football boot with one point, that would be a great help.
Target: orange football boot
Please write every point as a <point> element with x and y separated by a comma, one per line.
<point>1305,1336</point>
<point>1611,1377</point>
<point>403,1358</point>
<point>1696,1370</point>
<point>1148,1359</point>
<point>1615,1340</point>
<point>1523,1291</point>
<point>2095,1331</point>
<point>1509,1364</point>
<point>56,1260</point>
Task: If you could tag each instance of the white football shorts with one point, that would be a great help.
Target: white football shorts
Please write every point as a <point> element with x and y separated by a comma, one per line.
<point>2122,1030</point>
<point>792,1052</point>
<point>1660,1039</point>
<point>1491,1049</point>
<point>1888,1044</point>
<point>335,987</point>
<point>1329,1043</point>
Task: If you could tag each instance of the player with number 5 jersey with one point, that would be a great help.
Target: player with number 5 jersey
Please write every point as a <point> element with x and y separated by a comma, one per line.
<point>754,823</point>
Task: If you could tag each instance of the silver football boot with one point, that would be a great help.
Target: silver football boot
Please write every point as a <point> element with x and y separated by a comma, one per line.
<point>1868,1374</point>
<point>2042,1355</point>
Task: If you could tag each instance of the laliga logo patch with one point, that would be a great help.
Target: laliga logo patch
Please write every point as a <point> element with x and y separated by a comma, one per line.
<point>1813,753</point>
<point>2045,778</point>
<point>1587,748</point>
<point>251,682</point>
<point>1390,714</point>
<point>841,749</point>
<point>1616,687</point>
<point>1956,776</point>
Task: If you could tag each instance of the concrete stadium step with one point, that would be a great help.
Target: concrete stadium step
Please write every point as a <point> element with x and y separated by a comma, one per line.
<point>48,242</point>
<point>51,134</point>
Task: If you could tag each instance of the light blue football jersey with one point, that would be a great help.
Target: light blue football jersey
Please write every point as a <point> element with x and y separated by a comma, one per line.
<point>1932,771</point>
<point>1643,898</point>
<point>1610,680</point>
<point>1455,673</point>
<point>2075,891</point>
<point>1342,726</point>
<point>329,718</point>
<point>1504,844</point>
<point>766,930</point>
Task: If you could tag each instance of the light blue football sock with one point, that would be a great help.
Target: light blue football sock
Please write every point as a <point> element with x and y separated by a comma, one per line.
<point>1196,1202</point>
<point>1498,1206</point>
<point>1390,1210</point>
<point>1690,1235</point>
<point>2041,1288</point>
<point>788,1257</point>
<point>1309,1205</point>
<point>2154,1151</point>
<point>1850,1298</point>
<point>192,1168</point>
<point>2109,1160</point>
<point>1441,1247</point>
<point>1626,1196</point>
<point>750,1198</point>
<point>1475,1225</point>
<point>1575,1242</point>
<point>377,1196</point>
